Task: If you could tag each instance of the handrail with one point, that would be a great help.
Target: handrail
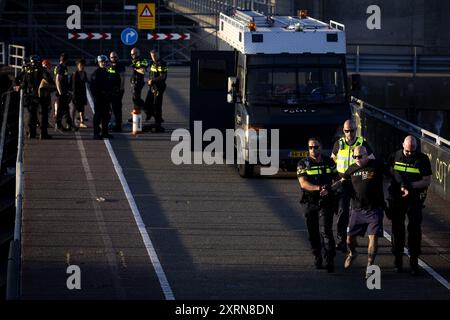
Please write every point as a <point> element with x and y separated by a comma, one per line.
<point>397,121</point>
<point>14,259</point>
<point>4,122</point>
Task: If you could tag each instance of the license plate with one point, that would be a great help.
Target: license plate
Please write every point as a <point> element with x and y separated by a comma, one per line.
<point>298,154</point>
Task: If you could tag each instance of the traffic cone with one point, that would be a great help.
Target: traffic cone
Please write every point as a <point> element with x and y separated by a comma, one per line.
<point>137,121</point>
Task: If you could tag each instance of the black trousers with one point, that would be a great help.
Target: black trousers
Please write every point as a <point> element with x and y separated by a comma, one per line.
<point>116,106</point>
<point>137,90</point>
<point>36,109</point>
<point>153,104</point>
<point>101,117</point>
<point>319,221</point>
<point>400,208</point>
<point>343,212</point>
<point>63,111</point>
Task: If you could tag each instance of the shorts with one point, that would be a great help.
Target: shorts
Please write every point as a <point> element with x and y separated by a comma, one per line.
<point>366,220</point>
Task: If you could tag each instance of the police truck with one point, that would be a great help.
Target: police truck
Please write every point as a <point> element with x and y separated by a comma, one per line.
<point>273,72</point>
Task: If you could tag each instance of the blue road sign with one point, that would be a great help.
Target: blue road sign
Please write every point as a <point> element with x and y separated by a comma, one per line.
<point>129,36</point>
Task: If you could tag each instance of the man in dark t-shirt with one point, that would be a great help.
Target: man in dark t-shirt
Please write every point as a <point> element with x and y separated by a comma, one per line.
<point>407,199</point>
<point>364,182</point>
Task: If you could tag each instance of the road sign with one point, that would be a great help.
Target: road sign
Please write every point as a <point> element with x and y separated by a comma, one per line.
<point>89,36</point>
<point>168,36</point>
<point>146,16</point>
<point>129,36</point>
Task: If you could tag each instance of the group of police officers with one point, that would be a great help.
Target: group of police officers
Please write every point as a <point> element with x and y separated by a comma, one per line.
<point>349,184</point>
<point>106,85</point>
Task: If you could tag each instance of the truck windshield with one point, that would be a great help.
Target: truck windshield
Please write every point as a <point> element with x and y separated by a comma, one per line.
<point>287,85</point>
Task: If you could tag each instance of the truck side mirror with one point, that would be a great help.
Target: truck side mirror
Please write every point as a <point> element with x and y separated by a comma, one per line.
<point>232,89</point>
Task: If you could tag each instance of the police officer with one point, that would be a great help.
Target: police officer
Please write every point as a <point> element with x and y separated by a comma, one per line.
<point>315,174</point>
<point>31,80</point>
<point>157,86</point>
<point>139,66</point>
<point>101,91</point>
<point>342,154</point>
<point>406,199</point>
<point>116,72</point>
<point>62,93</point>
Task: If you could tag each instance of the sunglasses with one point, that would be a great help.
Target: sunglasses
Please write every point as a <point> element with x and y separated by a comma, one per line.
<point>314,147</point>
<point>113,58</point>
<point>351,130</point>
<point>358,156</point>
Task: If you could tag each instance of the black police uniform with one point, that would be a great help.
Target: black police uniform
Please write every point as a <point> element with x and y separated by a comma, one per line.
<point>411,168</point>
<point>101,91</point>
<point>154,100</point>
<point>319,210</point>
<point>63,99</point>
<point>31,80</point>
<point>137,81</point>
<point>114,70</point>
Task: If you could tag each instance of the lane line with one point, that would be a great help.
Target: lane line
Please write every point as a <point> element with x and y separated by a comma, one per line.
<point>162,278</point>
<point>424,266</point>
<point>107,242</point>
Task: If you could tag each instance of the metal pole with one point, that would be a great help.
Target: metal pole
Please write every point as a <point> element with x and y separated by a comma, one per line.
<point>415,62</point>
<point>357,59</point>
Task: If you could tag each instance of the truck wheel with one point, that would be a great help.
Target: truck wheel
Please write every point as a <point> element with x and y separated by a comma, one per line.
<point>245,169</point>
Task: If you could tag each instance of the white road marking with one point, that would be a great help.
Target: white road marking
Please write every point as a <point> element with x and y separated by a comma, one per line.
<point>164,283</point>
<point>425,266</point>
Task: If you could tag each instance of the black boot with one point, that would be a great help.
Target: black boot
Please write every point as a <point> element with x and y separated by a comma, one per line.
<point>398,262</point>
<point>414,263</point>
<point>318,261</point>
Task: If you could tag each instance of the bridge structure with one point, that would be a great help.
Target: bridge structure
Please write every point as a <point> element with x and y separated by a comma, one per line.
<point>139,226</point>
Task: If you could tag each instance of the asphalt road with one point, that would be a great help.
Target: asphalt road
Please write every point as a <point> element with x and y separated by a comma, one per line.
<point>217,236</point>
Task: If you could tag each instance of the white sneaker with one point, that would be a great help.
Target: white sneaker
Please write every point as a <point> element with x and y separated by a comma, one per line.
<point>351,256</point>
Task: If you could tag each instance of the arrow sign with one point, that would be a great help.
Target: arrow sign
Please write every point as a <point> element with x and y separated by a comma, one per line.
<point>89,36</point>
<point>168,36</point>
<point>129,36</point>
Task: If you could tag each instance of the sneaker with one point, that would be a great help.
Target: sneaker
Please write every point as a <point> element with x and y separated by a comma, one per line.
<point>82,125</point>
<point>351,256</point>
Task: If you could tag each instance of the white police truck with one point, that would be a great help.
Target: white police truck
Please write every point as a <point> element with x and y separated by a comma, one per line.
<point>279,72</point>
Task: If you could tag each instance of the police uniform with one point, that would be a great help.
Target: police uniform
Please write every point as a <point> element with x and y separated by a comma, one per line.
<point>319,210</point>
<point>412,169</point>
<point>101,91</point>
<point>137,81</point>
<point>343,153</point>
<point>153,102</point>
<point>32,78</point>
<point>115,70</point>
<point>63,98</point>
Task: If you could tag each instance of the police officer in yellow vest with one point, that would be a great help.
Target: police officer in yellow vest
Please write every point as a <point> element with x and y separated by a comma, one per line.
<point>315,174</point>
<point>406,199</point>
<point>342,154</point>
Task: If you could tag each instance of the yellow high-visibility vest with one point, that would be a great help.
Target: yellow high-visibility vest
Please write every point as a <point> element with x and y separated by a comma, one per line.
<point>344,157</point>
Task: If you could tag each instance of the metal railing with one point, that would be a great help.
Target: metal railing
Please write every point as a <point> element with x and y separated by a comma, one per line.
<point>2,53</point>
<point>13,284</point>
<point>385,132</point>
<point>412,62</point>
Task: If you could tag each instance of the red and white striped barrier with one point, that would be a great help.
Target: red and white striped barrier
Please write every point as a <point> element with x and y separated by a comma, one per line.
<point>168,36</point>
<point>89,36</point>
